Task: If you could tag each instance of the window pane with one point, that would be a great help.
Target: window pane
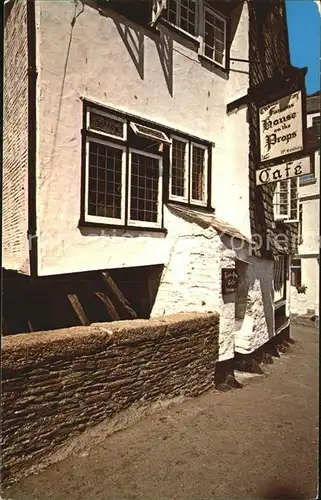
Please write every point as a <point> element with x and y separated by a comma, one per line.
<point>198,174</point>
<point>294,198</point>
<point>187,16</point>
<point>279,277</point>
<point>178,170</point>
<point>172,11</point>
<point>104,188</point>
<point>182,13</point>
<point>144,188</point>
<point>284,197</point>
<point>214,38</point>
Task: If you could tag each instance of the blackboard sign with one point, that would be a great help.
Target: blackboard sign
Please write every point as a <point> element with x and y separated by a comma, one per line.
<point>229,280</point>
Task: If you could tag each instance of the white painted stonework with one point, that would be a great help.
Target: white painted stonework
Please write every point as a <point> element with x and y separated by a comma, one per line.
<point>90,60</point>
<point>309,249</point>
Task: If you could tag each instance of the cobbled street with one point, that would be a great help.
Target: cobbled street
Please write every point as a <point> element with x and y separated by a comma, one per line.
<point>257,442</point>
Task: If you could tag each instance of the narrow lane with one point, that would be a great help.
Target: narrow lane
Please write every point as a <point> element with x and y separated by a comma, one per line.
<point>257,442</point>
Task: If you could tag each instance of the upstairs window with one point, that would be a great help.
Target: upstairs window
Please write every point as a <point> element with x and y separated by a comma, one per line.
<point>145,189</point>
<point>179,169</point>
<point>123,185</point>
<point>189,166</point>
<point>198,174</point>
<point>124,163</point>
<point>183,14</point>
<point>286,200</point>
<point>214,40</point>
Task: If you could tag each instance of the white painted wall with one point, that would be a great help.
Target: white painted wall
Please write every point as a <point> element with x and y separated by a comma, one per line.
<point>301,303</point>
<point>74,63</point>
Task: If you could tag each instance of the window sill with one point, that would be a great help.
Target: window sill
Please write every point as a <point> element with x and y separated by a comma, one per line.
<point>279,220</point>
<point>212,63</point>
<point>119,228</point>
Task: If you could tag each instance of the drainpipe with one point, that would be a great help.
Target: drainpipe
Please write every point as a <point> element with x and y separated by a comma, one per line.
<point>32,139</point>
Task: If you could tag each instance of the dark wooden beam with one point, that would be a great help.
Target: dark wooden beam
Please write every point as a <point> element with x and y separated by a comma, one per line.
<point>74,301</point>
<point>117,297</point>
<point>109,306</point>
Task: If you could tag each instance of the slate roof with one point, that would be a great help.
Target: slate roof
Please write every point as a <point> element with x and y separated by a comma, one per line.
<point>313,103</point>
<point>205,221</point>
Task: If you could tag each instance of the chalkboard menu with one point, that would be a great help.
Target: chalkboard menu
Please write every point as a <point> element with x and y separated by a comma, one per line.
<point>229,280</point>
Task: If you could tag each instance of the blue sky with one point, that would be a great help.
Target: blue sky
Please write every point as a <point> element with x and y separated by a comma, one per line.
<point>304,37</point>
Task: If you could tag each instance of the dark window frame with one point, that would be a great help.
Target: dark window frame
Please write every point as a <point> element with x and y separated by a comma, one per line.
<point>296,272</point>
<point>280,276</point>
<point>126,143</point>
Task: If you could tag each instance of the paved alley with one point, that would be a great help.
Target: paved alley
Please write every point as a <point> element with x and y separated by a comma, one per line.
<point>257,442</point>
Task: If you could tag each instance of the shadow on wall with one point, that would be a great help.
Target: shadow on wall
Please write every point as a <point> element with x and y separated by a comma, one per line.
<point>133,39</point>
<point>64,301</point>
<point>133,36</point>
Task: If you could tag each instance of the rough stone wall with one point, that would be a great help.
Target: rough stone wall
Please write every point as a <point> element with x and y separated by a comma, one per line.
<point>15,138</point>
<point>191,279</point>
<point>269,58</point>
<point>256,326</point>
<point>57,384</point>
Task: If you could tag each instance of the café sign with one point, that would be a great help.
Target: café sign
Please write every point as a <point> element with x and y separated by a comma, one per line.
<point>284,171</point>
<point>281,127</point>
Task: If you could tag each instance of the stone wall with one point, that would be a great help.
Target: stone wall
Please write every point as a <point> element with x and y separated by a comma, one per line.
<point>15,137</point>
<point>59,383</point>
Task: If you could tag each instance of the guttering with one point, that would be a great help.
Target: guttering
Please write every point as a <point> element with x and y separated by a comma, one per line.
<point>32,139</point>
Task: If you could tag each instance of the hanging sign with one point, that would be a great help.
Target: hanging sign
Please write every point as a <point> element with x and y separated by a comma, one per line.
<point>284,171</point>
<point>281,127</point>
<point>229,280</point>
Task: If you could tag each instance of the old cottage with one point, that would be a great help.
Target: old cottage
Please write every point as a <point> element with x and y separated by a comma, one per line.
<point>131,147</point>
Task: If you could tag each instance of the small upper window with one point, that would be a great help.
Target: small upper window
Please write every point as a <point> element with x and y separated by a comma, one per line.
<point>286,200</point>
<point>214,40</point>
<point>188,175</point>
<point>179,170</point>
<point>104,123</point>
<point>316,121</point>
<point>149,133</point>
<point>199,174</point>
<point>183,14</point>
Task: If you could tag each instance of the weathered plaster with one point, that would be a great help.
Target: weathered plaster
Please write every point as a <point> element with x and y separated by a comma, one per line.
<point>73,65</point>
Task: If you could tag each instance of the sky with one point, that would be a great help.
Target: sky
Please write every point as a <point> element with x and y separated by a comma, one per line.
<point>304,27</point>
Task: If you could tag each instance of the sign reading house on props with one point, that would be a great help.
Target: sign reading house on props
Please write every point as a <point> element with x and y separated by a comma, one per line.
<point>284,171</point>
<point>281,130</point>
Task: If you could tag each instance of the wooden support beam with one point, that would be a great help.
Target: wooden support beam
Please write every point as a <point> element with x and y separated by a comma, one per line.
<point>109,306</point>
<point>117,297</point>
<point>74,301</point>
